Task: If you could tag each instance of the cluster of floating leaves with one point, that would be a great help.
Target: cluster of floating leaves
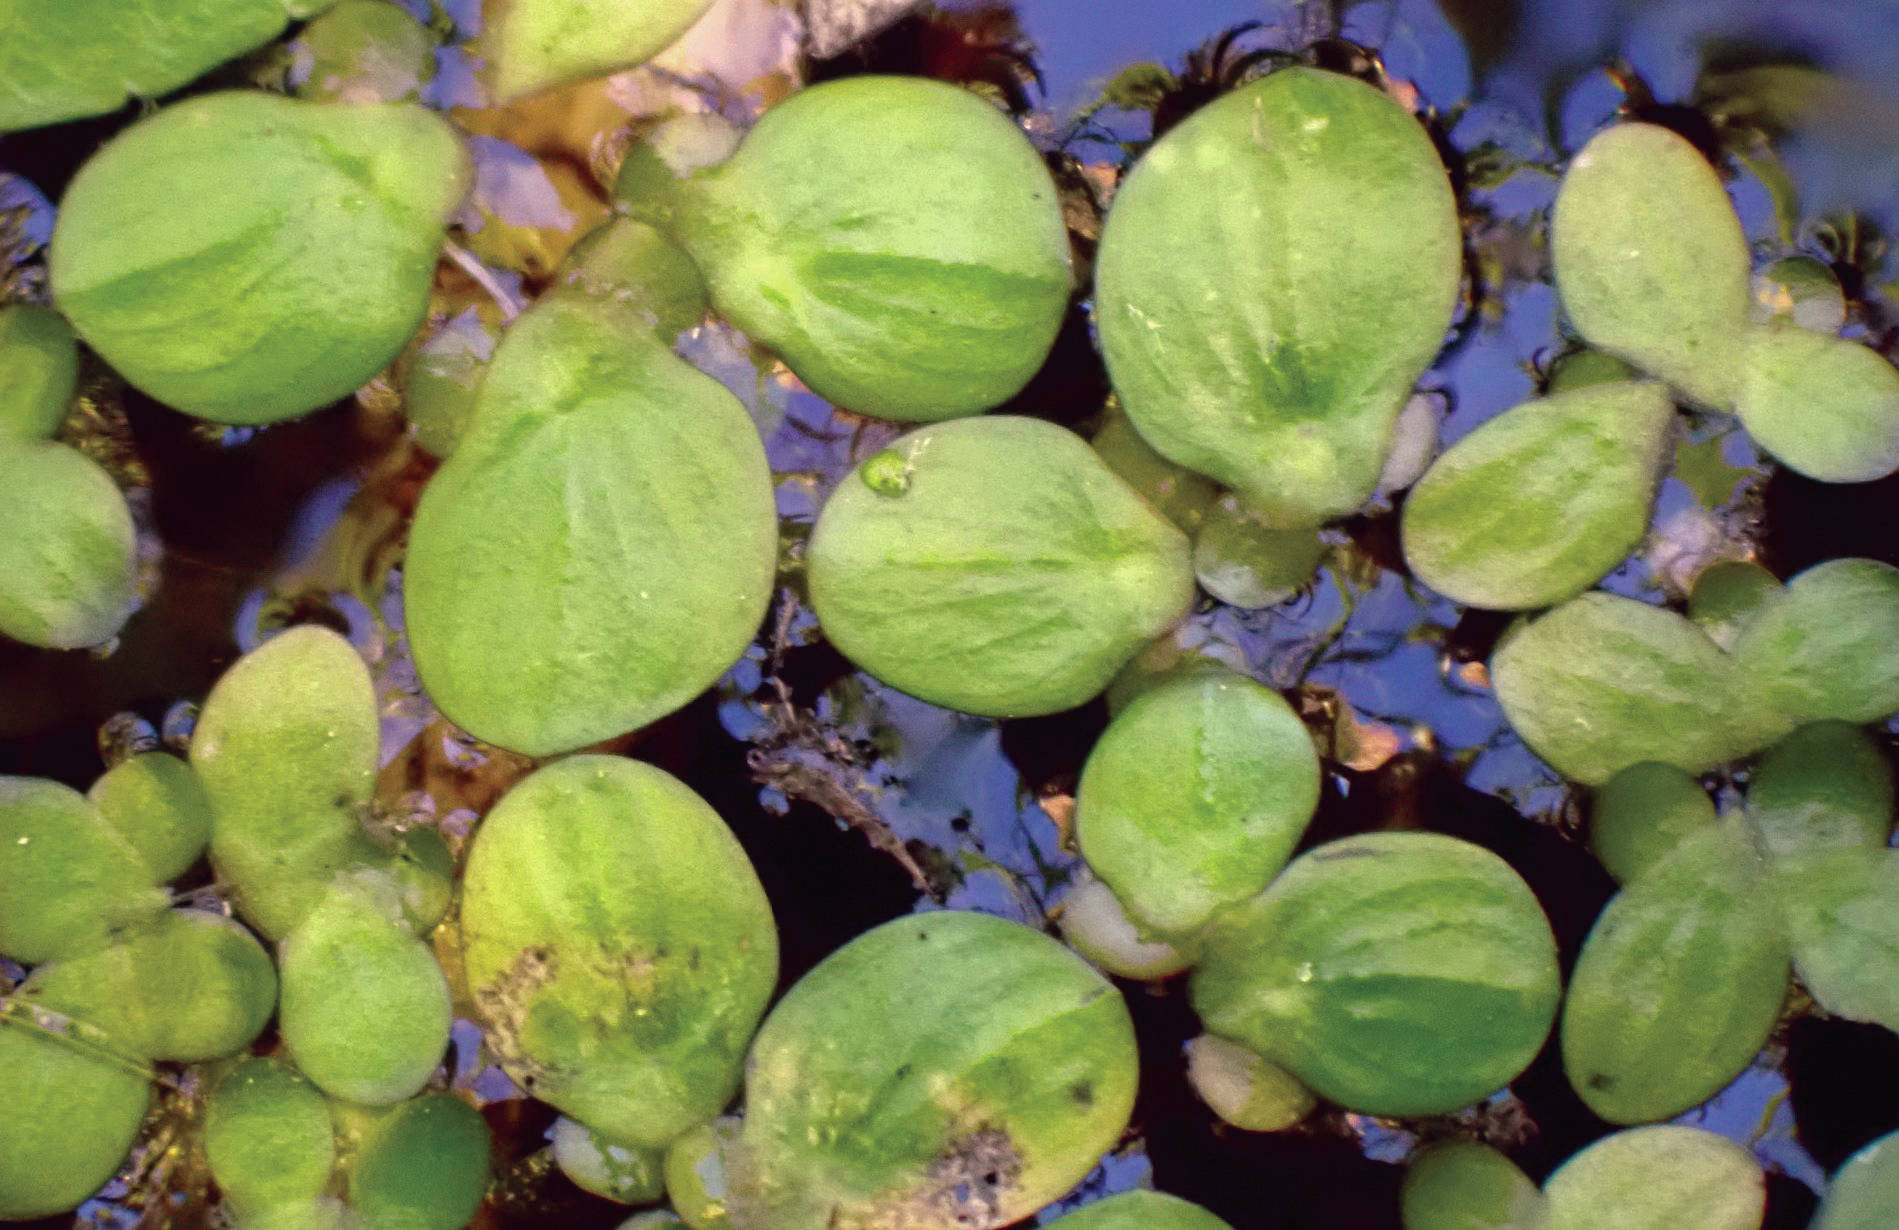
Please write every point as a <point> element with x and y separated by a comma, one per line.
<point>1276,274</point>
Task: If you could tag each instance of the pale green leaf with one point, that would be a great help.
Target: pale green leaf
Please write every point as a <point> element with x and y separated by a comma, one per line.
<point>1658,1178</point>
<point>1822,405</point>
<point>1274,276</point>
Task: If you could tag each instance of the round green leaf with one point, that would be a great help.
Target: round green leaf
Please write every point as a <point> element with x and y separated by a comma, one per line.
<point>1194,798</point>
<point>1541,502</point>
<point>1801,290</point>
<point>72,1116</point>
<point>39,369</point>
<point>247,258</point>
<point>1396,973</point>
<point>1830,649</point>
<point>994,566</point>
<point>365,1008</point>
<point>1603,682</point>
<point>1642,813</point>
<point>286,749</point>
<point>322,1213</point>
<point>1651,262</point>
<point>1464,1185</point>
<point>1865,1190</point>
<point>1658,1178</point>
<point>695,1176</point>
<point>945,1071</point>
<point>363,51</point>
<point>1678,983</point>
<point>424,1166</point>
<point>1244,1089</point>
<point>1842,912</point>
<point>1273,278</point>
<point>618,945</point>
<point>67,564</point>
<point>155,802</point>
<point>1096,926</point>
<point>66,879</point>
<point>1141,1211</point>
<point>897,241</point>
<point>268,1137</point>
<point>85,57</point>
<point>1244,562</point>
<point>1822,405</point>
<point>629,1174</point>
<point>602,544</point>
<point>1728,595</point>
<point>533,44</point>
<point>1826,786</point>
<point>184,987</point>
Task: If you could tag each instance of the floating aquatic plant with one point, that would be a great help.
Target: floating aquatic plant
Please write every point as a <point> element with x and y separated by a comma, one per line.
<point>39,369</point>
<point>898,242</point>
<point>1194,799</point>
<point>947,1071</point>
<point>1541,502</point>
<point>1247,340</point>
<point>67,879</point>
<point>532,45</point>
<point>617,945</point>
<point>1466,1185</point>
<point>86,57</point>
<point>994,566</point>
<point>1394,973</point>
<point>68,563</point>
<point>1141,1211</point>
<point>248,258</point>
<point>1659,1178</point>
<point>602,544</point>
<point>268,1137</point>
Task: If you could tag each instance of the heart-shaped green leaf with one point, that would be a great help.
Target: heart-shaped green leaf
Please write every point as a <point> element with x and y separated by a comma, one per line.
<point>68,564</point>
<point>1830,649</point>
<point>1464,1185</point>
<point>1396,973</point>
<point>1273,278</point>
<point>1865,1190</point>
<point>156,802</point>
<point>601,546</point>
<point>247,258</point>
<point>365,1008</point>
<point>944,1070</point>
<point>1842,911</point>
<point>1541,502</point>
<point>1678,983</point>
<point>1602,682</point>
<point>1658,1178</point>
<point>533,44</point>
<point>85,57</point>
<point>39,368</point>
<point>1822,405</point>
<point>1651,262</point>
<point>1642,813</point>
<point>618,945</point>
<point>267,1136</point>
<point>1194,799</point>
<point>66,878</point>
<point>1826,786</point>
<point>897,241</point>
<point>286,749</point>
<point>994,566</point>
<point>1141,1211</point>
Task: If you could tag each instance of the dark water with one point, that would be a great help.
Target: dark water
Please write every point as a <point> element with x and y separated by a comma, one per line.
<point>248,531</point>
